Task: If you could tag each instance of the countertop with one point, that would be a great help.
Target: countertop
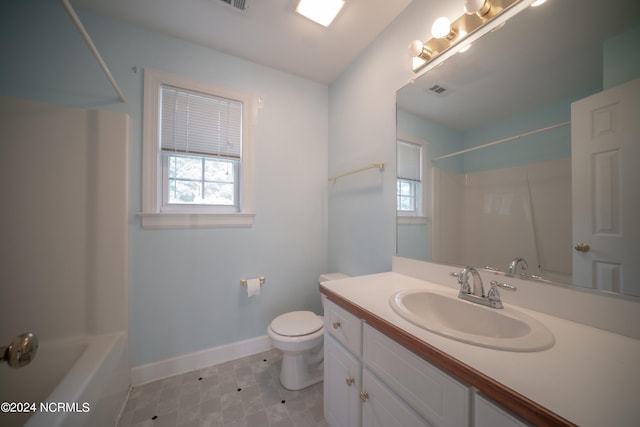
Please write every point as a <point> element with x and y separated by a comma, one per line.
<point>590,377</point>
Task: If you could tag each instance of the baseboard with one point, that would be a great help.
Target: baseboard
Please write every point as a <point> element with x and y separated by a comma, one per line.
<point>161,369</point>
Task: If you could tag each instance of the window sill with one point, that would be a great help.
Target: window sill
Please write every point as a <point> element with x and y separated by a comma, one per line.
<point>155,220</point>
<point>410,219</point>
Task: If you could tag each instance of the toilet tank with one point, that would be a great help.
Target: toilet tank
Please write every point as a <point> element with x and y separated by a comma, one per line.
<point>332,276</point>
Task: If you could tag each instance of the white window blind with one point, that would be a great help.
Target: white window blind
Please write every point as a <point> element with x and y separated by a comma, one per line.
<point>409,162</point>
<point>196,123</point>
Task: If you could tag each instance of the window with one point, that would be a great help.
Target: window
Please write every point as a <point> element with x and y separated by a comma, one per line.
<point>197,154</point>
<point>410,189</point>
<point>407,195</point>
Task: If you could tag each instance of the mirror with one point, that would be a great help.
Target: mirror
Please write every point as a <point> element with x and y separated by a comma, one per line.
<point>511,95</point>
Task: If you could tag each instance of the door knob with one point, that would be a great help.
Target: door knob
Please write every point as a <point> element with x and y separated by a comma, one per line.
<point>364,396</point>
<point>336,325</point>
<point>582,247</point>
<point>350,381</point>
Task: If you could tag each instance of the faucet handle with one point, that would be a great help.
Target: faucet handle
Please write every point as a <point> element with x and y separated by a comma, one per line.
<point>462,280</point>
<point>506,286</point>
<point>494,296</point>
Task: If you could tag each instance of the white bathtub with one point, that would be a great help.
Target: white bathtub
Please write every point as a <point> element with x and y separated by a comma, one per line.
<point>71,382</point>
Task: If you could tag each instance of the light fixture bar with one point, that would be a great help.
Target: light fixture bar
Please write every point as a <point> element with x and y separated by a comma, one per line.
<point>321,11</point>
<point>463,28</point>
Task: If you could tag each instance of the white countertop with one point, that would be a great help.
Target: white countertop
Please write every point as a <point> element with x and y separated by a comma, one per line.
<point>590,376</point>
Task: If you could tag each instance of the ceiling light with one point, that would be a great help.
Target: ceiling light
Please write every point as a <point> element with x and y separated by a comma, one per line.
<point>538,3</point>
<point>321,11</point>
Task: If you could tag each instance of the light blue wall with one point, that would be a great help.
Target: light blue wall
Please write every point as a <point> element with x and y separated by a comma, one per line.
<point>184,284</point>
<point>441,140</point>
<point>622,58</point>
<point>551,144</point>
<point>362,130</point>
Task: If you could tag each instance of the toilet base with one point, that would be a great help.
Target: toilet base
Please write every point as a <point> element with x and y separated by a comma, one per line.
<point>298,372</point>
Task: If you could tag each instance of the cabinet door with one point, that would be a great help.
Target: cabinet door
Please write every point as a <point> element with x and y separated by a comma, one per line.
<point>382,408</point>
<point>342,381</point>
<point>488,414</point>
<point>436,396</point>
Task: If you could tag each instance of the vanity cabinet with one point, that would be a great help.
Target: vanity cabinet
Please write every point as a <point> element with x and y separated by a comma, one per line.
<point>383,408</point>
<point>434,395</point>
<point>342,367</point>
<point>342,381</point>
<point>372,381</point>
<point>489,414</point>
<point>363,372</point>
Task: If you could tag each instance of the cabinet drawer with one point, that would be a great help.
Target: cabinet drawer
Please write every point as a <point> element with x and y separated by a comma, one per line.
<point>441,399</point>
<point>344,326</point>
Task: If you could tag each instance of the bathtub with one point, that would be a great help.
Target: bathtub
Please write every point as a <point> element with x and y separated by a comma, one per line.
<point>71,382</point>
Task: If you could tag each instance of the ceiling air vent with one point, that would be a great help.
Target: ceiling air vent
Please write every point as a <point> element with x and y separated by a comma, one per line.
<point>240,5</point>
<point>438,90</point>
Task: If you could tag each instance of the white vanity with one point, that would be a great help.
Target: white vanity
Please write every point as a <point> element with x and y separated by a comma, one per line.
<point>382,370</point>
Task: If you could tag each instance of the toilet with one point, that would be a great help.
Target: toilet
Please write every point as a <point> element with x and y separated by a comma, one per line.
<point>300,336</point>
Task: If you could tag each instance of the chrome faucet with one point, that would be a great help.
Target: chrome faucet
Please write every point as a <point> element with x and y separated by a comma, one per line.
<point>463,279</point>
<point>513,267</point>
<point>475,293</point>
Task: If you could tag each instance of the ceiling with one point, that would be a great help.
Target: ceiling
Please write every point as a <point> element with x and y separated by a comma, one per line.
<point>269,32</point>
<point>539,57</point>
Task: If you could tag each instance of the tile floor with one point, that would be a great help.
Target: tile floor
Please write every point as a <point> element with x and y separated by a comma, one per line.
<point>241,393</point>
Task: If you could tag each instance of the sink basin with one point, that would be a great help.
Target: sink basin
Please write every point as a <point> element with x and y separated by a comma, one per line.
<point>449,316</point>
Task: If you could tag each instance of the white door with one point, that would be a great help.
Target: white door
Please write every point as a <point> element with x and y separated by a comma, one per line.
<point>605,151</point>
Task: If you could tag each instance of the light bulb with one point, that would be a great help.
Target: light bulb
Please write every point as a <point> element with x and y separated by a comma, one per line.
<point>441,27</point>
<point>479,7</point>
<point>415,48</point>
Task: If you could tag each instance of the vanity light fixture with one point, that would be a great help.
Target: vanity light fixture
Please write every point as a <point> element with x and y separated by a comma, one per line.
<point>468,27</point>
<point>465,48</point>
<point>321,11</point>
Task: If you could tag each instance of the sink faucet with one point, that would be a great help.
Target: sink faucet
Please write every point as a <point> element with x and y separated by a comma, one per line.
<point>475,293</point>
<point>513,267</point>
<point>463,280</point>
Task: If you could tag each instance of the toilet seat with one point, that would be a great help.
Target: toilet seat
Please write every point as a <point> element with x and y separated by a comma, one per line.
<point>296,324</point>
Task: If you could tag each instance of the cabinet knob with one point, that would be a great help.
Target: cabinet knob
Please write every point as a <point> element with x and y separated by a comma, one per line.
<point>336,325</point>
<point>350,381</point>
<point>364,396</point>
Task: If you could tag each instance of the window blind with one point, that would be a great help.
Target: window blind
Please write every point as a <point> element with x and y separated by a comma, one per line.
<point>196,123</point>
<point>409,161</point>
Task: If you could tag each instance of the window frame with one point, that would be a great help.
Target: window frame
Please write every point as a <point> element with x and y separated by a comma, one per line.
<point>421,194</point>
<point>190,216</point>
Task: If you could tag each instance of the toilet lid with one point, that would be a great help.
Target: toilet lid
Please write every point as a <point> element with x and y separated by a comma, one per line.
<point>296,323</point>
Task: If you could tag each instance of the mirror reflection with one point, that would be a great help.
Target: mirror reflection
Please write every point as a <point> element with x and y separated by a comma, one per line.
<point>487,173</point>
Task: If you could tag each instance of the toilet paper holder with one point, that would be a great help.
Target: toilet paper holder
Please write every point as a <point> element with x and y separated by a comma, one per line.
<point>243,282</point>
